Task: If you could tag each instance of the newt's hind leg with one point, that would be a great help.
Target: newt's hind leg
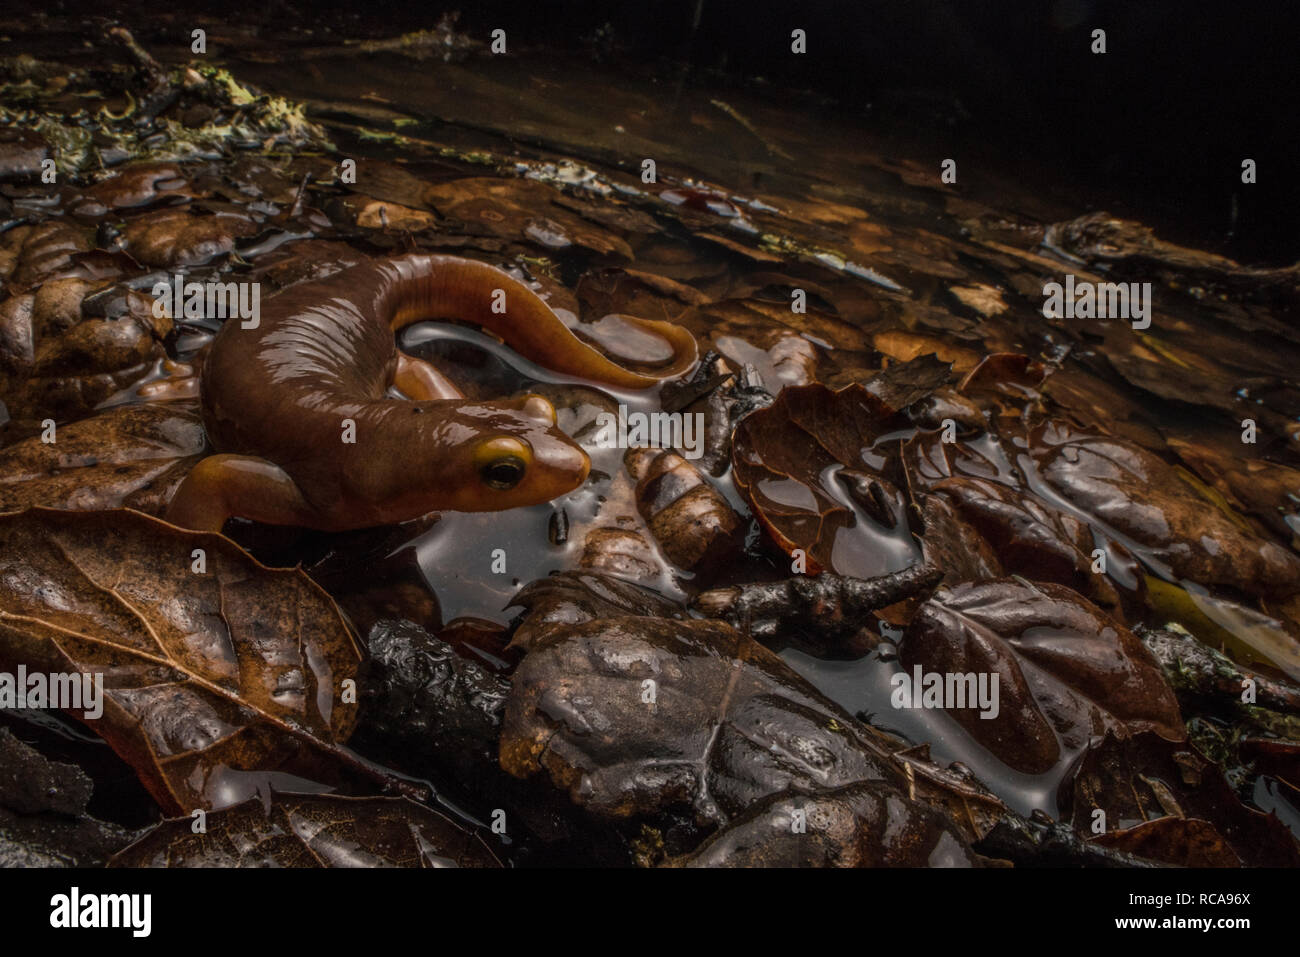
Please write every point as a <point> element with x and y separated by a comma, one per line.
<point>225,486</point>
<point>420,380</point>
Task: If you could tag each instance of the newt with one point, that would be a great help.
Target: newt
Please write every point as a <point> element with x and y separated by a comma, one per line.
<point>278,401</point>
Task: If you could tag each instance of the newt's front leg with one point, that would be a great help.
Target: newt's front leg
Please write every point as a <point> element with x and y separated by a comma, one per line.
<point>420,380</point>
<point>224,486</point>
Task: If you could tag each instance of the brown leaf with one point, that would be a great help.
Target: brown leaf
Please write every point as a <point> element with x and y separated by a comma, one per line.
<point>1010,373</point>
<point>809,469</point>
<point>689,518</point>
<point>1270,491</point>
<point>31,255</point>
<point>1127,490</point>
<point>382,215</point>
<point>1029,537</point>
<point>209,679</point>
<point>132,455</point>
<point>1065,670</point>
<point>571,597</point>
<point>179,237</point>
<point>318,830</point>
<point>953,546</point>
<point>729,722</point>
<point>133,187</point>
<point>1185,842</point>
<point>862,825</point>
<point>1132,779</point>
<point>58,363</point>
<point>520,211</point>
<point>901,384</point>
<point>21,155</point>
<point>905,346</point>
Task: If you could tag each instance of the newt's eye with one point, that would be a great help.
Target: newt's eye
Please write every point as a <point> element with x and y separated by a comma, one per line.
<point>502,461</point>
<point>503,473</point>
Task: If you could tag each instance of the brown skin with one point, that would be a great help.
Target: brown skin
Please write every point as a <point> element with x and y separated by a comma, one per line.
<point>275,399</point>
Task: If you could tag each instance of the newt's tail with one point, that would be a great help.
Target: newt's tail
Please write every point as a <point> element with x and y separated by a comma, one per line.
<point>447,287</point>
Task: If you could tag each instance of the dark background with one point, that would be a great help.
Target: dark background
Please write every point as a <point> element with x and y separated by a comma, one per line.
<point>1156,128</point>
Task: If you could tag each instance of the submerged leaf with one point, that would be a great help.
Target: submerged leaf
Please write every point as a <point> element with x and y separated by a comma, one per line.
<point>808,467</point>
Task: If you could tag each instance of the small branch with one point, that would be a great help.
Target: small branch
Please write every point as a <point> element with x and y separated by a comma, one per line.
<point>1197,670</point>
<point>832,604</point>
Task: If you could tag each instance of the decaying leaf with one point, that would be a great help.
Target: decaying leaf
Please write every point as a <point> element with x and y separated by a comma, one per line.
<point>1131,492</point>
<point>319,830</point>
<point>60,355</point>
<point>1029,537</point>
<point>689,518</point>
<point>572,597</point>
<point>951,545</point>
<point>809,469</point>
<point>129,455</point>
<point>1066,671</point>
<point>178,237</point>
<point>861,825</point>
<point>1186,842</point>
<point>635,715</point>
<point>216,671</point>
<point>1134,781</point>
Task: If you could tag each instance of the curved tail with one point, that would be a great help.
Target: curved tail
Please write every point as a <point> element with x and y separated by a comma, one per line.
<point>447,287</point>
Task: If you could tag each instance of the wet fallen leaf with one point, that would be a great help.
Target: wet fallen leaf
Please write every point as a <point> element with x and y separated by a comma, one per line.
<point>861,825</point>
<point>21,155</point>
<point>905,346</point>
<point>129,455</point>
<point>1271,492</point>
<point>29,255</point>
<point>521,211</point>
<point>635,715</point>
<point>985,300</point>
<point>572,597</point>
<point>953,546</point>
<point>1185,842</point>
<point>1066,671</point>
<point>179,237</point>
<point>381,215</point>
<point>902,384</point>
<point>1132,780</point>
<point>134,187</point>
<point>808,467</point>
<point>58,362</point>
<point>1029,537</point>
<point>1126,490</point>
<point>313,831</point>
<point>1250,635</point>
<point>214,681</point>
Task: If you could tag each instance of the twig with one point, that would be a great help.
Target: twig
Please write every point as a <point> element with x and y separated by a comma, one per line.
<point>830,604</point>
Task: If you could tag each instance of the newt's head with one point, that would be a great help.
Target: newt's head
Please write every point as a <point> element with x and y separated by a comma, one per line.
<point>515,456</point>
